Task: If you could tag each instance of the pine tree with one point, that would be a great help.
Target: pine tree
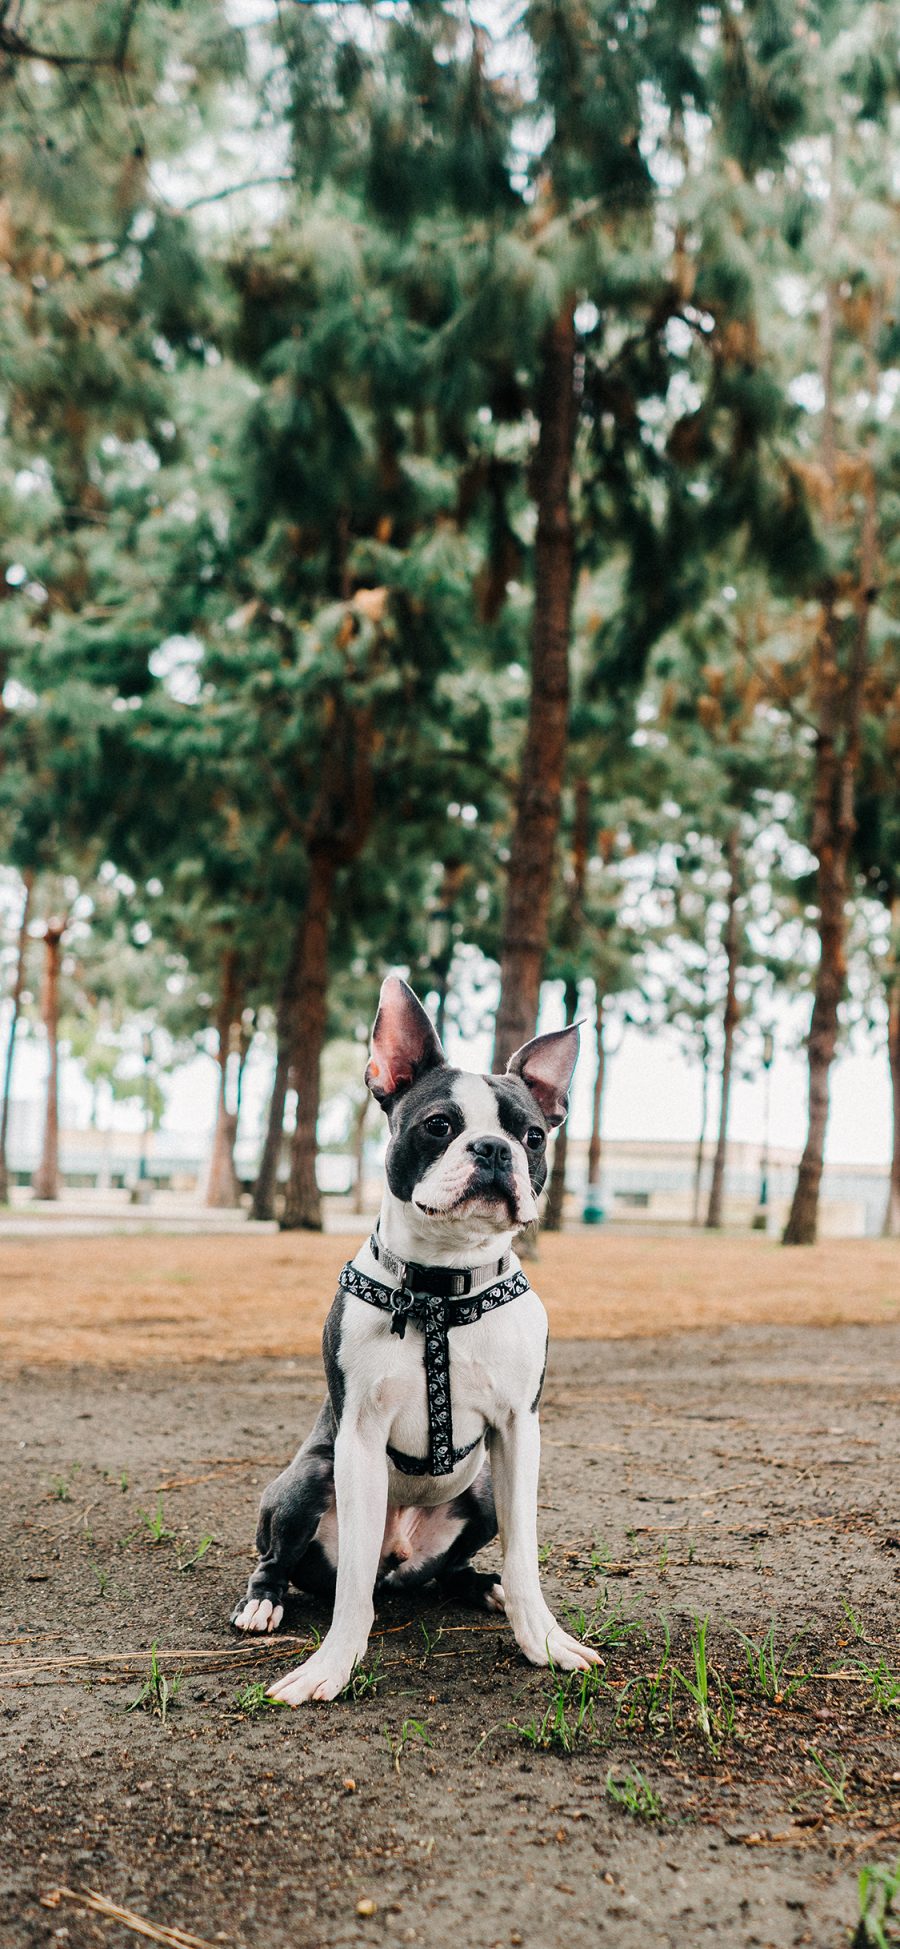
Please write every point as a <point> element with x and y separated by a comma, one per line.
<point>16,993</point>
<point>850,265</point>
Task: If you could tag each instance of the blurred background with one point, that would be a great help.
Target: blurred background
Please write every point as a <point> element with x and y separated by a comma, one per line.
<point>449,505</point>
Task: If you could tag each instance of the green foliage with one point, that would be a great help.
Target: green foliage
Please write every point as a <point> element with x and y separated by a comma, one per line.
<point>569,1717</point>
<point>879,1887</point>
<point>631,1791</point>
<point>157,1693</point>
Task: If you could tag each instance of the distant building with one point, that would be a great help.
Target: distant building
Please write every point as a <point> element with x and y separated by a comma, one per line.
<point>642,1182</point>
<point>653,1183</point>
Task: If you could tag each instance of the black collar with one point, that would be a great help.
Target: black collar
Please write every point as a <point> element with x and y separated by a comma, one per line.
<point>437,1281</point>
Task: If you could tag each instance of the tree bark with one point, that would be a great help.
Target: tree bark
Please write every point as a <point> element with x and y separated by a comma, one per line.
<point>16,999</point>
<point>359,1156</point>
<point>538,800</point>
<point>263,1202</point>
<point>832,835</point>
<point>892,1212</point>
<point>595,1147</point>
<point>838,711</point>
<point>302,1206</point>
<point>222,1190</point>
<point>338,830</point>
<point>45,1182</point>
<point>556,1195</point>
<point>699,1157</point>
<point>732,943</point>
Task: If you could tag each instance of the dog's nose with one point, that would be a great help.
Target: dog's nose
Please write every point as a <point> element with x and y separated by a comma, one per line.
<point>493,1152</point>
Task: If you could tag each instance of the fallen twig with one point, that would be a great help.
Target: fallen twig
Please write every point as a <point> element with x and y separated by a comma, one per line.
<point>88,1898</point>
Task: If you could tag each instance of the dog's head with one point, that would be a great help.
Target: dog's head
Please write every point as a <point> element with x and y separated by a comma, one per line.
<point>467,1153</point>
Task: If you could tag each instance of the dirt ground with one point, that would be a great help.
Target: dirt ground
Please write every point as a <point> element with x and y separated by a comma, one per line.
<point>746,1473</point>
<point>158,1297</point>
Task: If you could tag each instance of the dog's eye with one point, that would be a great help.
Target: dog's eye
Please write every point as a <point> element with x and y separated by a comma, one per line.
<point>438,1126</point>
<point>534,1138</point>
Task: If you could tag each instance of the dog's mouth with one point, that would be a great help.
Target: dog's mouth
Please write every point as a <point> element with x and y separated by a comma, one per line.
<point>480,1197</point>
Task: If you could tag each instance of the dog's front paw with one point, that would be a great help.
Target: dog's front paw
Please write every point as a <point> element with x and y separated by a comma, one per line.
<point>557,1648</point>
<point>322,1677</point>
<point>257,1614</point>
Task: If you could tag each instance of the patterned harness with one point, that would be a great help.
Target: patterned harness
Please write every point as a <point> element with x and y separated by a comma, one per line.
<point>434,1299</point>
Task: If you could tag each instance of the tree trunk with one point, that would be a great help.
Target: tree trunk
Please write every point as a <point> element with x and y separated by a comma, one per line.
<point>892,1213</point>
<point>45,1183</point>
<point>701,1140</point>
<point>732,943</point>
<point>302,1206</point>
<point>16,999</point>
<point>595,1147</point>
<point>530,872</point>
<point>359,1156</point>
<point>222,1190</point>
<point>263,1203</point>
<point>832,834</point>
<point>839,697</point>
<point>556,1195</point>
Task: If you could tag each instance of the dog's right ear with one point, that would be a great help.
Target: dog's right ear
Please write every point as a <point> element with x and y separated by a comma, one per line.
<point>404,1044</point>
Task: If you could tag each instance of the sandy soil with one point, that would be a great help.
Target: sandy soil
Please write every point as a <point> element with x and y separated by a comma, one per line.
<point>748,1475</point>
<point>164,1298</point>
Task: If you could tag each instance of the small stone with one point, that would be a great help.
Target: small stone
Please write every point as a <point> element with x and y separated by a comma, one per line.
<point>366,1906</point>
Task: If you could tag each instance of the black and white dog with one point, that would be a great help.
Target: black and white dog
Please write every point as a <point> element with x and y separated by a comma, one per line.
<point>429,1437</point>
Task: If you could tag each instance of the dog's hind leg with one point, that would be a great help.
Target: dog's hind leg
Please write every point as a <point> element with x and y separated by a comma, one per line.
<point>479,1590</point>
<point>290,1512</point>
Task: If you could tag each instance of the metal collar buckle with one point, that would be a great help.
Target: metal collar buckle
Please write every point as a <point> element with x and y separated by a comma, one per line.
<point>402,1304</point>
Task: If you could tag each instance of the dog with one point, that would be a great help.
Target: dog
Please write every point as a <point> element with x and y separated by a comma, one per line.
<point>435,1352</point>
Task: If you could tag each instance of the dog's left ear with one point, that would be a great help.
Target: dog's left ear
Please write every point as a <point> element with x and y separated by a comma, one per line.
<point>546,1066</point>
<point>404,1044</point>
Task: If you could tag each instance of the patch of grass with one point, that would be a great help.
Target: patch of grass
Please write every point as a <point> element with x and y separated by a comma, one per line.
<point>157,1693</point>
<point>883,1684</point>
<point>712,1696</point>
<point>102,1577</point>
<point>879,1889</point>
<point>837,1787</point>
<point>253,1699</point>
<point>365,1680</point>
<point>429,1640</point>
<point>631,1791</point>
<point>155,1525</point>
<point>767,1668</point>
<point>199,1553</point>
<point>647,1699</point>
<point>411,1729</point>
<point>600,1556</point>
<point>600,1628</point>
<point>854,1620</point>
<point>569,1718</point>
<point>61,1485</point>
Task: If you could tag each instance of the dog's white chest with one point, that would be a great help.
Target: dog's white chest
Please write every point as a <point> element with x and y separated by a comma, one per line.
<point>495,1363</point>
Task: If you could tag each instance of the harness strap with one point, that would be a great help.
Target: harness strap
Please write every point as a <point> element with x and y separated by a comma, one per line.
<point>434,1315</point>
